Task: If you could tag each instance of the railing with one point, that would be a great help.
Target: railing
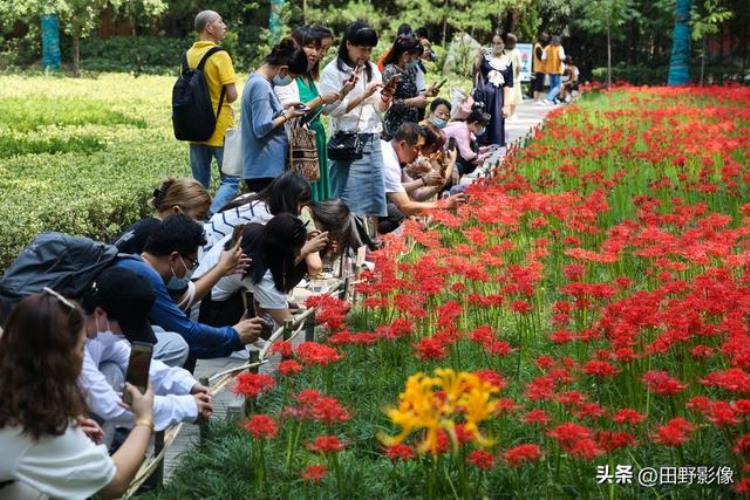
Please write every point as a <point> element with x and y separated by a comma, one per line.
<point>154,465</point>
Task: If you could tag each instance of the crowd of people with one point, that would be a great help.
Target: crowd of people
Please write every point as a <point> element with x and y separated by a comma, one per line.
<point>550,64</point>
<point>205,277</point>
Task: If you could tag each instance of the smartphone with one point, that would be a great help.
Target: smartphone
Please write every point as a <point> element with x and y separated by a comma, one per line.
<point>138,368</point>
<point>452,143</point>
<point>304,108</point>
<point>268,324</point>
<point>359,67</point>
<point>441,83</point>
<point>237,233</point>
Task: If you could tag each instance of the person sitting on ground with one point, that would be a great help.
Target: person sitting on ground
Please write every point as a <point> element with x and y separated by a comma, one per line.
<point>465,133</point>
<point>288,193</point>
<point>174,196</point>
<point>569,87</point>
<point>402,150</point>
<point>116,307</point>
<point>440,113</point>
<point>264,141</point>
<point>49,446</point>
<point>169,258</point>
<point>277,250</point>
<point>435,167</point>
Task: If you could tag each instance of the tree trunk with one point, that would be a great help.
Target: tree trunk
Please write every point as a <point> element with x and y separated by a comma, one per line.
<point>703,58</point>
<point>76,54</point>
<point>609,55</point>
<point>304,11</point>
<point>679,61</point>
<point>445,23</point>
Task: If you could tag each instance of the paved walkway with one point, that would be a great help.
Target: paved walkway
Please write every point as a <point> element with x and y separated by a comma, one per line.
<point>528,116</point>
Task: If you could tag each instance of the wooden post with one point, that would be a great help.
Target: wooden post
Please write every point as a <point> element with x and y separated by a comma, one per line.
<point>203,425</point>
<point>158,477</point>
<point>288,329</point>
<point>310,328</point>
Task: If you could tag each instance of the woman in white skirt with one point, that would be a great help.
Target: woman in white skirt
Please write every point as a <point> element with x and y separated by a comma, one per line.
<point>516,94</point>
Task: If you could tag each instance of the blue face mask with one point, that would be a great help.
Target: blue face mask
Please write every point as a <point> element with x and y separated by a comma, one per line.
<point>282,82</point>
<point>438,122</point>
<point>178,284</point>
<point>481,131</point>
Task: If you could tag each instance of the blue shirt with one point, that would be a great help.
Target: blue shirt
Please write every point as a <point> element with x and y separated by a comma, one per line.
<point>204,341</point>
<point>264,148</point>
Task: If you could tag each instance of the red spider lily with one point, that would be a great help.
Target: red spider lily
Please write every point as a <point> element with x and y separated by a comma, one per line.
<point>481,459</point>
<point>463,436</point>
<point>430,348</point>
<point>261,427</point>
<point>661,383</point>
<point>314,473</point>
<point>289,368</point>
<point>492,377</point>
<point>628,416</point>
<point>586,449</point>
<point>535,417</point>
<point>326,444</point>
<point>673,433</point>
<point>733,380</point>
<point>742,445</point>
<point>313,353</point>
<point>401,452</point>
<point>315,406</point>
<point>599,369</point>
<point>568,434</point>
<point>251,385</point>
<point>610,441</point>
<point>522,453</point>
<point>283,347</point>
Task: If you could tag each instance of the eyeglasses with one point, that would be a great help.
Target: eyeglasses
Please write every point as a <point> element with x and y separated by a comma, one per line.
<point>193,263</point>
<point>59,297</point>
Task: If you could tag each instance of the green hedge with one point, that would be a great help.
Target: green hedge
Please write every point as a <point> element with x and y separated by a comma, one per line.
<point>648,75</point>
<point>81,155</point>
<point>138,55</point>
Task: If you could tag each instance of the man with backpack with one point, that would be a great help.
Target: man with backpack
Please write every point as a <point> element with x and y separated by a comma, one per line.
<point>216,66</point>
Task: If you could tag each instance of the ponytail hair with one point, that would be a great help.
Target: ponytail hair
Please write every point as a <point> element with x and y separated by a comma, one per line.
<point>288,53</point>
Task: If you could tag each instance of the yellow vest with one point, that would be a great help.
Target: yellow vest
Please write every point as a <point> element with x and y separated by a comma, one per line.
<point>537,65</point>
<point>553,63</point>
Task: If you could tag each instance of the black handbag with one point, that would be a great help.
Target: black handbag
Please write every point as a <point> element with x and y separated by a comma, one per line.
<point>345,146</point>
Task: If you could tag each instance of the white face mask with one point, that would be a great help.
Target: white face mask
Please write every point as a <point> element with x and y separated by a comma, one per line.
<point>105,336</point>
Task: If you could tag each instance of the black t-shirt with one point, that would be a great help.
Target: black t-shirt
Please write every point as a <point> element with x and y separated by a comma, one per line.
<point>133,239</point>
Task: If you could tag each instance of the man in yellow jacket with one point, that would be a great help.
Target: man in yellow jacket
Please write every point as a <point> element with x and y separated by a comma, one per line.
<point>219,74</point>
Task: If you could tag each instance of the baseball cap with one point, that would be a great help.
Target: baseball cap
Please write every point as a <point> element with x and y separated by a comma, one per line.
<point>127,298</point>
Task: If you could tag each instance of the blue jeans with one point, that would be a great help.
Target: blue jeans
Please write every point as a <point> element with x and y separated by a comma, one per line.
<point>555,81</point>
<point>200,162</point>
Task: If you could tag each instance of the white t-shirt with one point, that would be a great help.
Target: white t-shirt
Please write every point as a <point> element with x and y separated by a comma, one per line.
<point>265,292</point>
<point>391,169</point>
<point>67,466</point>
<point>222,224</point>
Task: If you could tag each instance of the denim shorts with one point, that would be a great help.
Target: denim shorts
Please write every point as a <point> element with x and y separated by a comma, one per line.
<point>359,183</point>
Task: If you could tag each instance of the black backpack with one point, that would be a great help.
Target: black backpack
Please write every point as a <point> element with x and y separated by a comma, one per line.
<point>193,117</point>
<point>66,264</point>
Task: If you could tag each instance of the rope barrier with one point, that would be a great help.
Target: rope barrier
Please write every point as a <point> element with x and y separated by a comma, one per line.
<point>218,381</point>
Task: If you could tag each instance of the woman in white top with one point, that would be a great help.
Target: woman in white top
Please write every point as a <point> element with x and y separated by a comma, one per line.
<point>278,251</point>
<point>287,193</point>
<point>357,181</point>
<point>49,446</point>
<point>516,94</point>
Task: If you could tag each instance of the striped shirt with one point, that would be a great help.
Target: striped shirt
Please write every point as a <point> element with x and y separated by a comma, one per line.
<point>223,223</point>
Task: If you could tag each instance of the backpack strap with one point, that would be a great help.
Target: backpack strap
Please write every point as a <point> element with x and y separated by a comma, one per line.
<point>185,66</point>
<point>202,63</point>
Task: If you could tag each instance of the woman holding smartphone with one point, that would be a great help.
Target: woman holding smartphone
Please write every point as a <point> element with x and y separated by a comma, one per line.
<point>265,146</point>
<point>305,89</point>
<point>401,71</point>
<point>49,447</point>
<point>357,174</point>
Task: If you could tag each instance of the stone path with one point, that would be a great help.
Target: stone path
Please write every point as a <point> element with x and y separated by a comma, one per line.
<point>528,115</point>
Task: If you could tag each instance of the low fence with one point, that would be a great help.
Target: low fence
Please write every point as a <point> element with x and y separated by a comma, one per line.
<point>304,322</point>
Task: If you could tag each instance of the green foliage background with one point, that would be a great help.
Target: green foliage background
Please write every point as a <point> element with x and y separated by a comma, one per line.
<point>81,155</point>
